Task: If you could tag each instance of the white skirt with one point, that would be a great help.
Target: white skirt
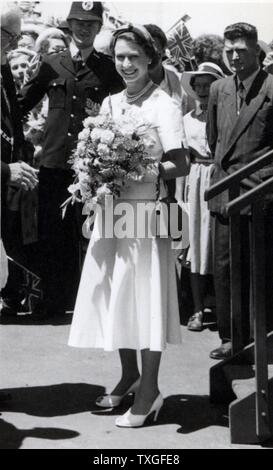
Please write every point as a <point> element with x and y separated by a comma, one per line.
<point>200,231</point>
<point>127,296</point>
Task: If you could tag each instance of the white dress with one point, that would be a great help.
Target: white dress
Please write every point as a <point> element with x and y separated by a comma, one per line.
<point>127,296</point>
<point>3,265</point>
<point>198,180</point>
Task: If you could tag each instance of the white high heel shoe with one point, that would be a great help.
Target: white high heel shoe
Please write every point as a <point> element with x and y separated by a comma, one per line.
<point>112,401</point>
<point>128,420</point>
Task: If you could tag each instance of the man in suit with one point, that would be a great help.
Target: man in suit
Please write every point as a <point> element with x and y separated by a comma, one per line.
<point>15,173</point>
<point>239,129</point>
<point>76,81</point>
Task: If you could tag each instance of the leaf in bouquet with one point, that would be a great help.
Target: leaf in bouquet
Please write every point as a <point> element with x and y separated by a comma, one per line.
<point>107,172</point>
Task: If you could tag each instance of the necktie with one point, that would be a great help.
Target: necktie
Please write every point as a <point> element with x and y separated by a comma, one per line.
<point>241,95</point>
<point>77,60</point>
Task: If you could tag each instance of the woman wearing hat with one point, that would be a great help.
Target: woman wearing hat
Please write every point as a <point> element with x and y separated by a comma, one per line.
<point>197,85</point>
<point>127,299</point>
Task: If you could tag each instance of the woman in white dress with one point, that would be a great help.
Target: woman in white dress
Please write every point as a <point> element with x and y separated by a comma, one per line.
<point>197,85</point>
<point>127,298</point>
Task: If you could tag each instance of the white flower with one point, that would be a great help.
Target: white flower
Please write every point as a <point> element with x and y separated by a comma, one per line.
<point>103,150</point>
<point>96,134</point>
<point>81,165</point>
<point>96,162</point>
<point>93,121</point>
<point>84,134</point>
<point>83,177</point>
<point>103,191</point>
<point>81,148</point>
<point>127,130</point>
<point>88,122</point>
<point>133,175</point>
<point>73,188</point>
<point>149,141</point>
<point>107,137</point>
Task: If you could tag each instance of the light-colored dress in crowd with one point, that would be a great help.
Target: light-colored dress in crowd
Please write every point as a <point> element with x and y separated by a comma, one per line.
<point>127,296</point>
<point>3,265</point>
<point>200,237</point>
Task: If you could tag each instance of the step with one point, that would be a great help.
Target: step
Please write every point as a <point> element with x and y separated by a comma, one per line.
<point>242,378</point>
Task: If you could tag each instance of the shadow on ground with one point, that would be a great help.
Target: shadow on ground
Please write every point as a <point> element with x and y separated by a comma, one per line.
<point>12,437</point>
<point>190,412</point>
<point>52,400</point>
<point>30,319</point>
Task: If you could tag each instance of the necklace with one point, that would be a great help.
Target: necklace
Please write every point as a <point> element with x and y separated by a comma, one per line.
<point>132,98</point>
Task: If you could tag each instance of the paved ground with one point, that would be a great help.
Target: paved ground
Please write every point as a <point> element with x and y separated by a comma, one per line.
<point>54,387</point>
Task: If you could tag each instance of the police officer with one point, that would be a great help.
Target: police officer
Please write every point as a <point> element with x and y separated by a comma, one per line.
<point>76,81</point>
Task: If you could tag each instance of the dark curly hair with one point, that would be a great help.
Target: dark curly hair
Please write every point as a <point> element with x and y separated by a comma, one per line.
<point>157,33</point>
<point>209,48</point>
<point>241,30</point>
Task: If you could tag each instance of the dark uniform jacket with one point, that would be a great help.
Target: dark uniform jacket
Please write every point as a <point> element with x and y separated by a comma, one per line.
<point>235,140</point>
<point>72,96</point>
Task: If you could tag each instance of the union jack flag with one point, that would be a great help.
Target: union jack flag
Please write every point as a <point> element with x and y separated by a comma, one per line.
<point>30,288</point>
<point>180,42</point>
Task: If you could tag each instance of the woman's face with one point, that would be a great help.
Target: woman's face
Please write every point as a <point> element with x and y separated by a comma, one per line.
<point>55,45</point>
<point>201,87</point>
<point>131,61</point>
<point>19,67</point>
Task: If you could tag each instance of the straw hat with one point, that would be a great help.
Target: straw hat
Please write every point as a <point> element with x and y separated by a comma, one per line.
<point>206,68</point>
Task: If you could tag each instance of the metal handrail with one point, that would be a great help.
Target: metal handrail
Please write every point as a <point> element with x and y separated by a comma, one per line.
<point>237,176</point>
<point>248,198</point>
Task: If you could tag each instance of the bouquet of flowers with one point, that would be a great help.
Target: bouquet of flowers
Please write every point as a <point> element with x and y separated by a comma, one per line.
<point>109,154</point>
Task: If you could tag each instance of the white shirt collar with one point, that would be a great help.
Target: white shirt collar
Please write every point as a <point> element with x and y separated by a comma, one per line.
<point>198,109</point>
<point>85,53</point>
<point>249,80</point>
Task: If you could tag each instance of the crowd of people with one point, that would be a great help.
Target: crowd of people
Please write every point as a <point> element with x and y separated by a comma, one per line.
<point>204,125</point>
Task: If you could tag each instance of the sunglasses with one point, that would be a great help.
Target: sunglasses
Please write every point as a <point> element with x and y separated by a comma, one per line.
<point>13,36</point>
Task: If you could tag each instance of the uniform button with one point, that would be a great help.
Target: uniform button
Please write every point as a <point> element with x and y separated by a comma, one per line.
<point>74,97</point>
<point>83,64</point>
<point>69,134</point>
<point>76,79</point>
<point>72,115</point>
<point>96,88</point>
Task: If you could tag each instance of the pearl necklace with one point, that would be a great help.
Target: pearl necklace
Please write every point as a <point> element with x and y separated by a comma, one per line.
<point>133,98</point>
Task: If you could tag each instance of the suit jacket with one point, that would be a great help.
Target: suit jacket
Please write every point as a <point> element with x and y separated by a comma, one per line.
<point>11,118</point>
<point>235,140</point>
<point>11,126</point>
<point>73,95</point>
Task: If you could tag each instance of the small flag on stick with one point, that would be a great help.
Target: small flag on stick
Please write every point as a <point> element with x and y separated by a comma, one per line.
<point>180,42</point>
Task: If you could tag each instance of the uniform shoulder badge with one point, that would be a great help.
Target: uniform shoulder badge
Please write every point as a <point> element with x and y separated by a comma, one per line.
<point>87,6</point>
